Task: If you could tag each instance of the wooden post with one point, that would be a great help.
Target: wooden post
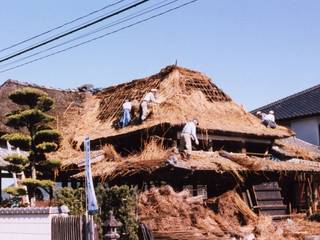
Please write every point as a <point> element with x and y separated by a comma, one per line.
<point>90,227</point>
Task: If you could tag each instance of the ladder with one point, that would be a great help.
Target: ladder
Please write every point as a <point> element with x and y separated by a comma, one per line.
<point>267,200</point>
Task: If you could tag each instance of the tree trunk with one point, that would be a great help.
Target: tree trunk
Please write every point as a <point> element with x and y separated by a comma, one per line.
<point>25,198</point>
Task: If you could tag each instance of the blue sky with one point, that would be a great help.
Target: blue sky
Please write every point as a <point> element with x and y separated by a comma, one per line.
<point>257,51</point>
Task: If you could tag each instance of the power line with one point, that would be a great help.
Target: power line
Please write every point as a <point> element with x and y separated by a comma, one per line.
<point>61,26</point>
<point>101,36</point>
<point>75,30</point>
<point>117,22</point>
<point>70,29</point>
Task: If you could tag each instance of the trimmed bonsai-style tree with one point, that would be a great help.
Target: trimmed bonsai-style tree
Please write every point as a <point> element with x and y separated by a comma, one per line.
<point>33,134</point>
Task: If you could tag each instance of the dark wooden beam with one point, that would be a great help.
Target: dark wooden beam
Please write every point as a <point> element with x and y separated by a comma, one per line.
<point>209,136</point>
<point>6,175</point>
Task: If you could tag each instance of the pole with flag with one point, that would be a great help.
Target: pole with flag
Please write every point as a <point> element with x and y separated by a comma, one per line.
<point>91,200</point>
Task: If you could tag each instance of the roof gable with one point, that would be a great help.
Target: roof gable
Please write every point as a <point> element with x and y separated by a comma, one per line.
<point>183,94</point>
<point>113,97</point>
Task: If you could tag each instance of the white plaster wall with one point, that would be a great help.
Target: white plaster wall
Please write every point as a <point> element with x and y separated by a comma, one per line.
<point>25,227</point>
<point>307,129</point>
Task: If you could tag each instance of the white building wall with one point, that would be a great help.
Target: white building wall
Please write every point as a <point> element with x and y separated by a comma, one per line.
<point>307,129</point>
<point>28,223</point>
<point>25,227</point>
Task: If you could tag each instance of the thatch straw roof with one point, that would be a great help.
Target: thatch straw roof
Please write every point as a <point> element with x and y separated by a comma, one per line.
<point>200,161</point>
<point>183,94</point>
<point>293,147</point>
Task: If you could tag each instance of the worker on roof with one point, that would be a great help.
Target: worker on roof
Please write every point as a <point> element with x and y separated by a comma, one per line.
<point>148,99</point>
<point>126,117</point>
<point>189,132</point>
<point>267,119</point>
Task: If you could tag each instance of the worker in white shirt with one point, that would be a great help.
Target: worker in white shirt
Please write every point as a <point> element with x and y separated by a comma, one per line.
<point>189,132</point>
<point>270,120</point>
<point>126,117</point>
<point>267,119</point>
<point>149,98</point>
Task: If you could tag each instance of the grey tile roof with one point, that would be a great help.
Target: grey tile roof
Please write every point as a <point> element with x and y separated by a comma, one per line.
<point>301,104</point>
<point>34,210</point>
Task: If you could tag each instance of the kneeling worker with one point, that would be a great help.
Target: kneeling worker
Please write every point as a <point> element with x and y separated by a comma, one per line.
<point>188,133</point>
<point>267,119</point>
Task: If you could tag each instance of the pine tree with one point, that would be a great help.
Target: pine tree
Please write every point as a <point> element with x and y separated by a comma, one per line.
<point>33,134</point>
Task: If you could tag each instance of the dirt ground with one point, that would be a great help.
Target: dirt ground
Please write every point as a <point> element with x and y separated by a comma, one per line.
<point>172,215</point>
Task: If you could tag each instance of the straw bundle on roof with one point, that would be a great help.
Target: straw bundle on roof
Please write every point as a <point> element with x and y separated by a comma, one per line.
<point>235,163</point>
<point>110,154</point>
<point>150,158</point>
<point>293,147</point>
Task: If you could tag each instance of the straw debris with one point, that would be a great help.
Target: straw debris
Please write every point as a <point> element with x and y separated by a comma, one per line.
<point>110,154</point>
<point>162,209</point>
<point>170,215</point>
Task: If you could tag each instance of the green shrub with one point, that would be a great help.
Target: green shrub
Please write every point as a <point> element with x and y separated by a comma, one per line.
<point>74,199</point>
<point>120,199</point>
<point>17,159</point>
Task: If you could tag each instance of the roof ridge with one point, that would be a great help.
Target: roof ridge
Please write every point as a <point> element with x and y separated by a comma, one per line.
<point>163,71</point>
<point>288,97</point>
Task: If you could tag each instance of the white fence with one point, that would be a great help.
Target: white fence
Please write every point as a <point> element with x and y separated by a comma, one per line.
<point>28,223</point>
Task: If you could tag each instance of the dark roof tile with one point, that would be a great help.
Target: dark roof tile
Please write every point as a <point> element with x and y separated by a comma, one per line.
<point>304,103</point>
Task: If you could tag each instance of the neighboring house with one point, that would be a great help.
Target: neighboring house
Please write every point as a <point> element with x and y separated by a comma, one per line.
<point>300,112</point>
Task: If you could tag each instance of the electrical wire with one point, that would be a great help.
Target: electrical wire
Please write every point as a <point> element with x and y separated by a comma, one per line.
<point>75,30</point>
<point>70,29</point>
<point>61,26</point>
<point>142,12</point>
<point>102,36</point>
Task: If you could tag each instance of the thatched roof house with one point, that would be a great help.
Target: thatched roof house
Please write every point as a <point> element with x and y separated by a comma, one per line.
<point>183,94</point>
<point>234,146</point>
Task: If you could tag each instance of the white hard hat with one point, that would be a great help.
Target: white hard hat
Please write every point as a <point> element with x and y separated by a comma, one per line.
<point>271,112</point>
<point>154,90</point>
<point>259,112</point>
